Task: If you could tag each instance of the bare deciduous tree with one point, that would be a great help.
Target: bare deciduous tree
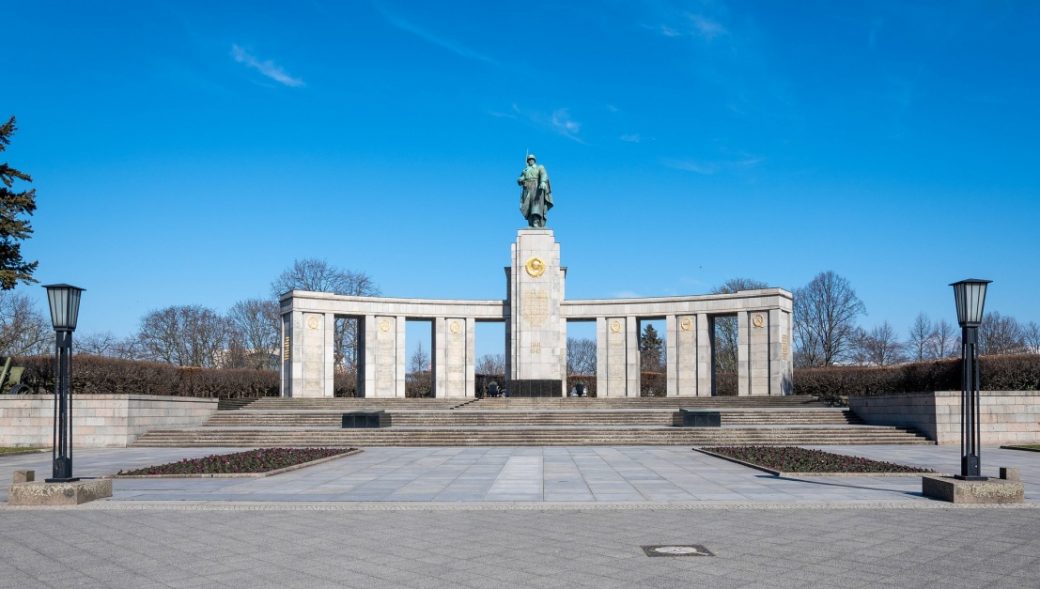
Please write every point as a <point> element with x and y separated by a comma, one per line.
<point>107,344</point>
<point>1031,334</point>
<point>419,380</point>
<point>257,325</point>
<point>825,313</point>
<point>944,339</point>
<point>880,346</point>
<point>491,365</point>
<point>188,335</point>
<point>581,356</point>
<point>23,329</point>
<point>920,345</point>
<point>320,276</point>
<point>1000,335</point>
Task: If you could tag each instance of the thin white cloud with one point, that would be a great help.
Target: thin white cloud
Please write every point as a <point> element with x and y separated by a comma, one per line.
<point>631,138</point>
<point>564,124</point>
<point>449,44</point>
<point>268,68</point>
<point>714,167</point>
<point>697,167</point>
<point>559,121</point>
<point>696,25</point>
<point>706,28</point>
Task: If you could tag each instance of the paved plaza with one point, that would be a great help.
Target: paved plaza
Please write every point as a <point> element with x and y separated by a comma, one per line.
<point>521,517</point>
<point>588,474</point>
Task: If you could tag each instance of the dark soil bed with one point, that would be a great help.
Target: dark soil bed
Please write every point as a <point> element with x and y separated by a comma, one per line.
<point>257,461</point>
<point>791,459</point>
<point>1029,447</point>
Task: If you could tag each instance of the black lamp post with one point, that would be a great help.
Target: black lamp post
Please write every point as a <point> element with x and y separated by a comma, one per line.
<point>64,304</point>
<point>970,297</point>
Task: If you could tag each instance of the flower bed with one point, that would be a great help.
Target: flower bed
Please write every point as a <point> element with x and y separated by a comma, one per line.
<point>791,459</point>
<point>261,461</point>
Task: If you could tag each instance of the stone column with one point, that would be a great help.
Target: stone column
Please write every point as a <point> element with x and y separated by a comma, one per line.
<point>758,352</point>
<point>743,355</point>
<point>781,358</point>
<point>402,357</point>
<point>535,322</point>
<point>328,390</point>
<point>437,364</point>
<point>381,355</point>
<point>671,365</point>
<point>632,356</point>
<point>308,357</point>
<point>471,357</point>
<point>286,357</point>
<point>368,374</point>
<point>615,358</point>
<point>602,386</point>
<point>685,355</point>
<point>454,357</point>
<point>703,343</point>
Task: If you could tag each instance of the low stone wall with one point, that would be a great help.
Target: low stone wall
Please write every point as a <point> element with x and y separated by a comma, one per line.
<point>1007,417</point>
<point>98,421</point>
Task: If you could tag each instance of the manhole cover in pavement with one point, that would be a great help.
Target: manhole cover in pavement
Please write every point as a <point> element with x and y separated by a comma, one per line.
<point>677,550</point>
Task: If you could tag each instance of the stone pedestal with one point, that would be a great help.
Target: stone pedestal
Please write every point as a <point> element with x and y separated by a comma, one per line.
<point>44,494</point>
<point>537,332</point>
<point>991,491</point>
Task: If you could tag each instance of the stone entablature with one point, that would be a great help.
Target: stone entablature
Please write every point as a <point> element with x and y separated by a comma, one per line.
<point>535,315</point>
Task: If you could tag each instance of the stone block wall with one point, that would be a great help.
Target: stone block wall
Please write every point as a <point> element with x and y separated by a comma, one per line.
<point>1007,417</point>
<point>99,421</point>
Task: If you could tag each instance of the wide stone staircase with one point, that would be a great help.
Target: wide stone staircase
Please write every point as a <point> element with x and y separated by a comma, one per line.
<point>792,420</point>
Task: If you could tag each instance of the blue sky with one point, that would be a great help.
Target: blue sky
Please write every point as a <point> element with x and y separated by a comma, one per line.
<point>188,152</point>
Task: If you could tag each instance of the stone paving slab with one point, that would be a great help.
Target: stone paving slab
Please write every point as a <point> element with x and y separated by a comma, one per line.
<point>532,547</point>
<point>623,474</point>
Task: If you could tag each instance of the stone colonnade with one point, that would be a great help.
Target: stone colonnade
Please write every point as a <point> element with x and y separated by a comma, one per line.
<point>535,314</point>
<point>764,358</point>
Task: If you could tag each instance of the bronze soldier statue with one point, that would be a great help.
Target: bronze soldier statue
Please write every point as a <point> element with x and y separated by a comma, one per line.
<point>536,194</point>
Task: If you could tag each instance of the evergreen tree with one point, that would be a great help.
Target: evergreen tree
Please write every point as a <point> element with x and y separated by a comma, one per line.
<point>14,227</point>
<point>650,349</point>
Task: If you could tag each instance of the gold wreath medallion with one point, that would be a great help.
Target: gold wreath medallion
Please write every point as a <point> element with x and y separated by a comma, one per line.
<point>535,267</point>
<point>615,326</point>
<point>312,322</point>
<point>758,320</point>
<point>454,327</point>
<point>685,324</point>
<point>384,325</point>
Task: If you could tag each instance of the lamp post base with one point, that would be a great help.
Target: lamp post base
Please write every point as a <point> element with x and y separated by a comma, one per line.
<point>59,493</point>
<point>957,490</point>
<point>970,477</point>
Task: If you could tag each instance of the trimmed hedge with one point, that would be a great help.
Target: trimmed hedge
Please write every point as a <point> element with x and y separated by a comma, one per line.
<point>997,373</point>
<point>100,375</point>
<point>96,375</point>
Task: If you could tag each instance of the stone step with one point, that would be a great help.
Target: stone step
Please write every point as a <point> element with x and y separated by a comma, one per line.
<point>520,403</point>
<point>543,417</point>
<point>531,436</point>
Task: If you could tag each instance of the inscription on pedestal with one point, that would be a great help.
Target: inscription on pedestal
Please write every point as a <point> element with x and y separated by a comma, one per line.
<point>535,307</point>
